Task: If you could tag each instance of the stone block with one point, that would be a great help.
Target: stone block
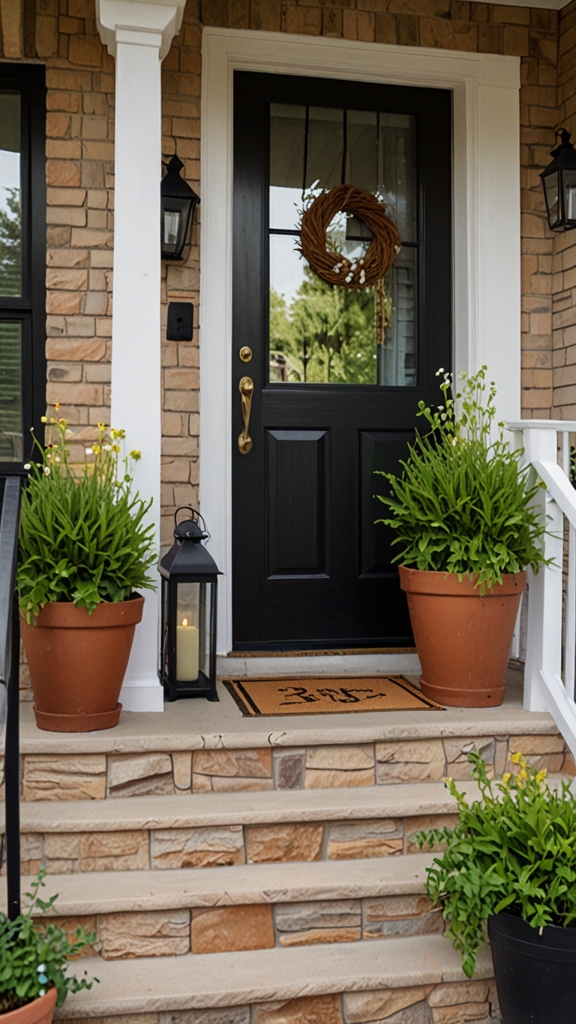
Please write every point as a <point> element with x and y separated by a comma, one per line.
<point>129,1018</point>
<point>219,784</point>
<point>329,914</point>
<point>344,758</point>
<point>398,927</point>
<point>197,847</point>
<point>459,992</point>
<point>380,1004</point>
<point>289,769</point>
<point>265,843</point>
<point>553,744</point>
<point>65,777</point>
<point>418,1013</point>
<point>149,933</point>
<point>70,925</point>
<point>409,761</point>
<point>331,778</point>
<point>227,929</point>
<point>182,771</point>
<point>308,1010</point>
<point>365,839</point>
<point>426,821</point>
<point>462,1014</point>
<point>139,774</point>
<point>216,1015</point>
<point>457,764</point>
<point>229,763</point>
<point>114,851</point>
<point>71,279</point>
<point>320,936</point>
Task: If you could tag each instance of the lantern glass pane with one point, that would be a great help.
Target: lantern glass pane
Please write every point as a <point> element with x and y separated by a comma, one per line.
<point>193,631</point>
<point>552,197</point>
<point>570,195</point>
<point>171,226</point>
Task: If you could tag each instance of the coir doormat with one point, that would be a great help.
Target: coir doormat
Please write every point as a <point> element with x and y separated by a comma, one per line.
<point>326,696</point>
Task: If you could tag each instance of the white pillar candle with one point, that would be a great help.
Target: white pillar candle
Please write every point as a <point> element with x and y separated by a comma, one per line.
<point>186,653</point>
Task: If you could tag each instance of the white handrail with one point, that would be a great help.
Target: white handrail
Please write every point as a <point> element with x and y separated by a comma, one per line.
<point>550,669</point>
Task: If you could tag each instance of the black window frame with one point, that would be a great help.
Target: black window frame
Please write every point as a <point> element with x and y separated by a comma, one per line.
<point>30,307</point>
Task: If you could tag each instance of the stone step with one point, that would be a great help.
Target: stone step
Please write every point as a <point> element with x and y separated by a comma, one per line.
<point>213,829</point>
<point>359,982</point>
<point>194,746</point>
<point>163,913</point>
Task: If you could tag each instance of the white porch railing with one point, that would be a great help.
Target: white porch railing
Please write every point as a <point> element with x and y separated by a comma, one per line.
<point>551,635</point>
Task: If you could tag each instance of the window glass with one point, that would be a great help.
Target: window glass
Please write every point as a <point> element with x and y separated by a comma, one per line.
<point>11,441</point>
<point>10,217</point>
<point>319,333</point>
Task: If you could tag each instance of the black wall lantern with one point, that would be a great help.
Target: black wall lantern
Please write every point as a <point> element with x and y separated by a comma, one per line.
<point>178,203</point>
<point>559,182</point>
<point>188,635</point>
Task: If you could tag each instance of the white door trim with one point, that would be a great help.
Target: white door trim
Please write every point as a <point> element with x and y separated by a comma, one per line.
<point>486,224</point>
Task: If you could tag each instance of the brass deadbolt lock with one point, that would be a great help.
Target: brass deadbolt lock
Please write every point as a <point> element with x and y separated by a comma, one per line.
<point>245,354</point>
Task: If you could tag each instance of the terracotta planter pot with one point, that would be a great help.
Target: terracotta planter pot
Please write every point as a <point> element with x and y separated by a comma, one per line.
<point>40,1011</point>
<point>78,661</point>
<point>463,638</point>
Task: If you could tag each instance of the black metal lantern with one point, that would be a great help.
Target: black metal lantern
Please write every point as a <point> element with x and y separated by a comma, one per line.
<point>188,638</point>
<point>178,203</point>
<point>559,183</point>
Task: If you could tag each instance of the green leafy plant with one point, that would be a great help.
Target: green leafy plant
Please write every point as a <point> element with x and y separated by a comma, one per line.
<point>463,503</point>
<point>83,531</point>
<point>514,849</point>
<point>34,958</point>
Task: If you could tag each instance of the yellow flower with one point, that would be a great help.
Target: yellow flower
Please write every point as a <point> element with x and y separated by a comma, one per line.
<point>506,778</point>
<point>56,406</point>
<point>115,447</point>
<point>135,454</point>
<point>517,758</point>
<point>95,448</point>
<point>43,419</point>
<point>52,419</point>
<point>63,423</point>
<point>101,426</point>
<point>541,775</point>
<point>117,434</point>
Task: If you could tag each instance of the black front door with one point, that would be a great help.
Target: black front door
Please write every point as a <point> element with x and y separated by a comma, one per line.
<point>337,374</point>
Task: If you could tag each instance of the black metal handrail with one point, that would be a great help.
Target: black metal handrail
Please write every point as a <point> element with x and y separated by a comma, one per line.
<point>9,696</point>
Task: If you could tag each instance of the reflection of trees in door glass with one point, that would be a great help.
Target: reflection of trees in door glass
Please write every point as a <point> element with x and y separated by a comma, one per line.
<point>325,334</point>
<point>10,216</point>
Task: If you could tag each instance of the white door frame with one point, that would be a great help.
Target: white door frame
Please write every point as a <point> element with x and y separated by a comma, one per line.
<point>486,206</point>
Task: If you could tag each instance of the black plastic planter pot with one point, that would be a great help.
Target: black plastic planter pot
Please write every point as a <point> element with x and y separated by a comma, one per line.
<point>535,973</point>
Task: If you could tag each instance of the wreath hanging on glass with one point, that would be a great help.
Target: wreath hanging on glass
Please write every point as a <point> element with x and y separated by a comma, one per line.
<point>324,257</point>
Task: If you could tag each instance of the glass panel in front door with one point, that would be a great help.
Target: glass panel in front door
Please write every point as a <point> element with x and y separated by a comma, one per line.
<point>319,333</point>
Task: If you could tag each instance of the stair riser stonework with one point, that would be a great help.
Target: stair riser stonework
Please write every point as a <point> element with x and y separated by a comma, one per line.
<point>100,776</point>
<point>174,932</point>
<point>160,849</point>
<point>452,1003</point>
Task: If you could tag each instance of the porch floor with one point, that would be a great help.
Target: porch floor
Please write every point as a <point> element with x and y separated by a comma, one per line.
<point>201,725</point>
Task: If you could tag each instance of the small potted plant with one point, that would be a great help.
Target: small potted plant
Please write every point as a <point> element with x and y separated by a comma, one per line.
<point>34,961</point>
<point>510,864</point>
<point>462,508</point>
<point>85,549</point>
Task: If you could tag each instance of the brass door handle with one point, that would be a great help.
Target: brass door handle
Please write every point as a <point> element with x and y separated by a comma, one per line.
<point>246,389</point>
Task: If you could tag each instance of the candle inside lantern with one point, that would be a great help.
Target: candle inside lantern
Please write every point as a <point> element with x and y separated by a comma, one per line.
<point>186,652</point>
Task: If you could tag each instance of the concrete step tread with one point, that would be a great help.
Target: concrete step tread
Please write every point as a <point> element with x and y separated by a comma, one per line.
<point>111,892</point>
<point>240,808</point>
<point>235,979</point>
<point>201,725</point>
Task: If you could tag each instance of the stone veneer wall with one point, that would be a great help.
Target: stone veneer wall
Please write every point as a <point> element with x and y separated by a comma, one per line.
<point>451,1003</point>
<point>80,168</point>
<point>564,260</point>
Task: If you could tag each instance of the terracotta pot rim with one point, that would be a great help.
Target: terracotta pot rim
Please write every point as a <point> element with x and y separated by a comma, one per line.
<point>65,614</point>
<point>38,1009</point>
<point>424,581</point>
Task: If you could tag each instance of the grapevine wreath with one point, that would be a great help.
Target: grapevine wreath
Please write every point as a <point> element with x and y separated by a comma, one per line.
<point>334,267</point>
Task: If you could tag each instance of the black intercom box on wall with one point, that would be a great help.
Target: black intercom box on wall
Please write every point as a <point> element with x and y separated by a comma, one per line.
<point>180,321</point>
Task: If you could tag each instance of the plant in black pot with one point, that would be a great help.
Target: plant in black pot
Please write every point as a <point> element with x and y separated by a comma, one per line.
<point>509,867</point>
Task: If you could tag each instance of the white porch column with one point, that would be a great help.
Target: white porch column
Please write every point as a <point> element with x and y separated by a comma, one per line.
<point>138,33</point>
